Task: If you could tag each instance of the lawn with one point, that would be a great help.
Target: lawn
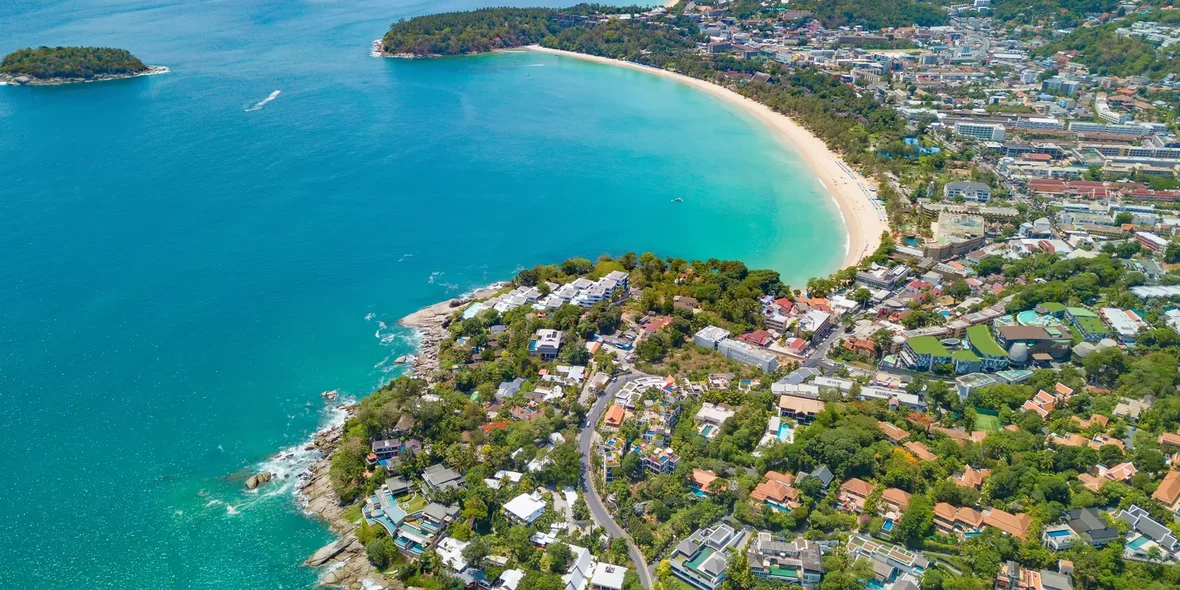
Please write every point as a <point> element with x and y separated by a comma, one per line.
<point>413,503</point>
<point>987,423</point>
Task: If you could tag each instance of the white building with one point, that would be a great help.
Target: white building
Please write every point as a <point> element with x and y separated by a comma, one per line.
<point>1124,322</point>
<point>546,343</point>
<point>525,508</point>
<point>714,414</point>
<point>972,192</point>
<point>983,131</point>
<point>608,577</point>
<point>710,336</point>
<point>748,354</point>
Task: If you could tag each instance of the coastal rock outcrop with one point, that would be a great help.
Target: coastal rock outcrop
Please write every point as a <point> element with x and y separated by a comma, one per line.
<point>343,561</point>
<point>259,479</point>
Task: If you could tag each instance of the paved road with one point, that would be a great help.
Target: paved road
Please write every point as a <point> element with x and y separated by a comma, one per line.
<point>600,513</point>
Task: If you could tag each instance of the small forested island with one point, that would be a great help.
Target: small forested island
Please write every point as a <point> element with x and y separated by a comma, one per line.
<point>65,65</point>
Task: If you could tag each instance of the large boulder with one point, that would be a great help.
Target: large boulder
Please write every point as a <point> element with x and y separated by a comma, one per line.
<point>258,479</point>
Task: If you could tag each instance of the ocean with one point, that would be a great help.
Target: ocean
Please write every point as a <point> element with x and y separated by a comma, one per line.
<point>189,260</point>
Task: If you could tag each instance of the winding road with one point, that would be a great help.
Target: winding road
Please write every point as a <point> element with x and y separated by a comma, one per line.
<point>597,509</point>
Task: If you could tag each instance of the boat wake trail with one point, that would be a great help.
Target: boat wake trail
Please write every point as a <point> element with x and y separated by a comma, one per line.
<point>258,105</point>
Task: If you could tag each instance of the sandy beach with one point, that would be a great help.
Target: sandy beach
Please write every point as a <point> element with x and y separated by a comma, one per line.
<point>863,218</point>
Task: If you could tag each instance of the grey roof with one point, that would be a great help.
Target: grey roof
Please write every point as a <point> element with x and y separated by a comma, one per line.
<point>1139,519</point>
<point>396,483</point>
<point>904,585</point>
<point>1053,581</point>
<point>715,565</point>
<point>882,569</point>
<point>687,547</point>
<point>441,476</point>
<point>823,474</point>
<point>1088,522</point>
<point>435,511</point>
<point>800,375</point>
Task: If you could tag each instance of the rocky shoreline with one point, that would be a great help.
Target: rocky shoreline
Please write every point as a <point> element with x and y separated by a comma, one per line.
<point>430,323</point>
<point>24,80</point>
<point>343,561</point>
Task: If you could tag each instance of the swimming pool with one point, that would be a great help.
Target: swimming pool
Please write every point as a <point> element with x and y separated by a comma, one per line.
<point>707,430</point>
<point>784,432</point>
<point>888,526</point>
<point>1138,542</point>
<point>1061,533</point>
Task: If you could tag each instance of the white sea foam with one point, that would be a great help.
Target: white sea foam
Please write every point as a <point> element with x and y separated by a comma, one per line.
<point>369,316</point>
<point>404,256</point>
<point>370,584</point>
<point>435,275</point>
<point>534,65</point>
<point>258,105</point>
<point>230,510</point>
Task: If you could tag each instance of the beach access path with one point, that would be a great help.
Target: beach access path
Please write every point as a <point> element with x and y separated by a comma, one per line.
<point>864,218</point>
<point>593,501</point>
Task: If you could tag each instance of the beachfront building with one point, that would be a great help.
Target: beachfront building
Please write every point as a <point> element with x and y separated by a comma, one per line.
<point>795,562</point>
<point>701,559</point>
<point>413,523</point>
<point>882,277</point>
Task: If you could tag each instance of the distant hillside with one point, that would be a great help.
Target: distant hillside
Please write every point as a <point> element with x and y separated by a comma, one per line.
<point>1106,53</point>
<point>71,62</point>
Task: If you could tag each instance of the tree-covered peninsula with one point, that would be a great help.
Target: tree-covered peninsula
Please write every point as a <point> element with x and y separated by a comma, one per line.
<point>476,31</point>
<point>66,64</point>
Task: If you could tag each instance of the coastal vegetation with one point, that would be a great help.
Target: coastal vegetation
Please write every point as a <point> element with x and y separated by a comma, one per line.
<point>475,31</point>
<point>82,63</point>
<point>465,422</point>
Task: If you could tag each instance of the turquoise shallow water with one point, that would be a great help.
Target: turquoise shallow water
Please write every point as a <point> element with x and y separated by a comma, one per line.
<point>182,277</point>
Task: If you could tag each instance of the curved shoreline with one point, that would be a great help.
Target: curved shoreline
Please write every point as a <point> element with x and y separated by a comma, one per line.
<point>863,219</point>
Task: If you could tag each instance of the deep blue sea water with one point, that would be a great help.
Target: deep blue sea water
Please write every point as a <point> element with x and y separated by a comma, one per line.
<point>180,277</point>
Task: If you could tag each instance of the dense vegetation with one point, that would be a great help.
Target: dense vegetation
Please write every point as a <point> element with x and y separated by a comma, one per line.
<point>871,14</point>
<point>475,31</point>
<point>71,62</point>
<point>1060,13</point>
<point>1106,53</point>
<point>629,40</point>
